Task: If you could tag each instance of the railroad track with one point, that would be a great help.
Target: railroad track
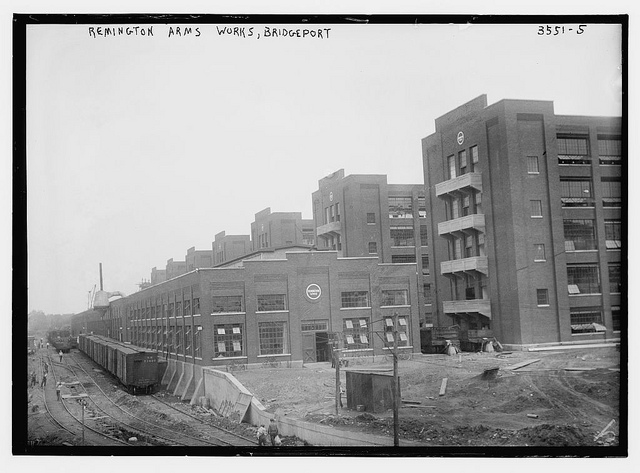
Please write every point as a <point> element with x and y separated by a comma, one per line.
<point>93,440</point>
<point>170,435</point>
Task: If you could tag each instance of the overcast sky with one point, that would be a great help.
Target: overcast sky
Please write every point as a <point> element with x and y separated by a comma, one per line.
<point>140,147</point>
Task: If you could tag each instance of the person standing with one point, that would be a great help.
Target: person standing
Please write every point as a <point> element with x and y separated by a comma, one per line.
<point>273,431</point>
<point>262,436</point>
<point>44,380</point>
<point>60,356</point>
<point>58,388</point>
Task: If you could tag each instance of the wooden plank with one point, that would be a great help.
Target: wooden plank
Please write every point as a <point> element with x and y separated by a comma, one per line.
<point>522,363</point>
<point>418,407</point>
<point>443,386</point>
<point>408,401</point>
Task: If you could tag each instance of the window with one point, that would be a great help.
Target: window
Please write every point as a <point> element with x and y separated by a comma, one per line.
<point>539,252</point>
<point>615,278</point>
<point>573,150</point>
<point>478,198</point>
<point>187,340</point>
<point>615,316</point>
<point>337,211</point>
<point>401,328</point>
<point>196,305</point>
<point>474,154</point>
<point>314,326</point>
<point>371,218</point>
<point>400,207</point>
<point>610,149</point>
<point>424,237</point>
<point>455,208</point>
<point>532,165</point>
<point>426,288</point>
<point>227,340</point>
<point>402,235</point>
<point>462,159</point>
<point>611,193</point>
<point>583,279</point>
<point>451,165</point>
<point>170,309</point>
<point>543,297</point>
<point>425,264</point>
<point>466,203</point>
<point>422,207</point>
<point>197,341</point>
<point>273,338</point>
<point>536,208</point>
<point>355,299</point>
<point>170,339</point>
<point>271,302</point>
<point>179,340</point>
<point>576,192</point>
<point>326,215</point>
<point>613,234</point>
<point>586,319</point>
<point>468,246</point>
<point>403,258</point>
<point>373,248</point>
<point>579,234</point>
<point>393,297</point>
<point>333,213</point>
<point>187,307</point>
<point>222,304</point>
<point>356,333</point>
<point>178,309</point>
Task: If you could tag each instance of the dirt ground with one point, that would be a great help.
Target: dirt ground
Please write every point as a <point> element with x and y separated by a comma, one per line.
<point>565,399</point>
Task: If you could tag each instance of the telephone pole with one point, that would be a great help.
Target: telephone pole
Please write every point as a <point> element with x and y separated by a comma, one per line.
<point>396,394</point>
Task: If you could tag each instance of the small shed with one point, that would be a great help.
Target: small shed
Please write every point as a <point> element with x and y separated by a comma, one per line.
<point>371,389</point>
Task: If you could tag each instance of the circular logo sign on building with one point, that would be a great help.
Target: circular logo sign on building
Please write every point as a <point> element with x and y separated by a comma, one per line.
<point>313,292</point>
<point>330,196</point>
<point>460,138</point>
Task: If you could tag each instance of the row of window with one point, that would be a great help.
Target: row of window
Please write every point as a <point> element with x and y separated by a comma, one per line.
<point>278,302</point>
<point>577,192</point>
<point>173,339</point>
<point>460,164</point>
<point>584,278</point>
<point>273,336</point>
<point>163,309</point>
<point>584,319</point>
<point>575,149</point>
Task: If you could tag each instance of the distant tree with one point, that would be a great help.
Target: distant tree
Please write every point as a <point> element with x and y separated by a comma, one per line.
<point>37,321</point>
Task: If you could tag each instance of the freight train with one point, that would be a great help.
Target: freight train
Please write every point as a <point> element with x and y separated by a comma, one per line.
<point>136,368</point>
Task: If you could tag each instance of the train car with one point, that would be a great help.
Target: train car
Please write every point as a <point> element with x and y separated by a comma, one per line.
<point>60,340</point>
<point>135,367</point>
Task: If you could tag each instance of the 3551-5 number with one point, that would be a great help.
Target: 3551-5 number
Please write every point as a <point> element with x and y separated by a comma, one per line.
<point>548,30</point>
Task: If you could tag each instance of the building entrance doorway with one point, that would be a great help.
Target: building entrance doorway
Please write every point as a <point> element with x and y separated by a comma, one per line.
<point>315,347</point>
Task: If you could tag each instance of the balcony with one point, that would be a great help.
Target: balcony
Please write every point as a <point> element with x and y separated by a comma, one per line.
<point>462,226</point>
<point>481,306</point>
<point>465,265</point>
<point>331,228</point>
<point>460,185</point>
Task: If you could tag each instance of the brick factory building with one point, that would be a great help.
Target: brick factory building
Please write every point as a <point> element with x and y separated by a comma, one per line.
<point>282,305</point>
<point>362,215</point>
<point>526,222</point>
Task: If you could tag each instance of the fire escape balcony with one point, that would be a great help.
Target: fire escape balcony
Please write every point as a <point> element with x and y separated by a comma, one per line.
<point>330,229</point>
<point>458,267</point>
<point>460,227</point>
<point>460,186</point>
<point>481,306</point>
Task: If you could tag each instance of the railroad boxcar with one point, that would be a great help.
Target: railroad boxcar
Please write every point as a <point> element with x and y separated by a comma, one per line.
<point>60,340</point>
<point>135,367</point>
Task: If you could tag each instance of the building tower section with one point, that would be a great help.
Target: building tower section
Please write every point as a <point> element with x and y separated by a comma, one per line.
<point>526,221</point>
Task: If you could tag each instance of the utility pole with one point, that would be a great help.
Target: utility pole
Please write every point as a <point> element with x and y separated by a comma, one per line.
<point>336,357</point>
<point>396,394</point>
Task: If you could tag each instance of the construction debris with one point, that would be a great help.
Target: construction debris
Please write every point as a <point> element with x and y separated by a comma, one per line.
<point>407,401</point>
<point>602,432</point>
<point>443,386</point>
<point>522,363</point>
<point>533,416</point>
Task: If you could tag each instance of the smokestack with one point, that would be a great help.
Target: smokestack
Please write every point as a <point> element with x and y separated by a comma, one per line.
<point>101,277</point>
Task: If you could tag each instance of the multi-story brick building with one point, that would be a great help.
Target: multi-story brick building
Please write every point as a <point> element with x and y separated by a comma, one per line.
<point>198,259</point>
<point>229,247</point>
<point>271,230</point>
<point>175,268</point>
<point>158,275</point>
<point>363,215</point>
<point>526,228</point>
<point>285,307</point>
